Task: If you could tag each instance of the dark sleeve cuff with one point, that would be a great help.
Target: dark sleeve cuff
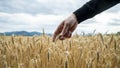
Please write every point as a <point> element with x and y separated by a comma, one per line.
<point>83,13</point>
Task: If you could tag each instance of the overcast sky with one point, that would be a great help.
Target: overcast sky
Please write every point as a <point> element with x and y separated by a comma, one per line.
<point>34,15</point>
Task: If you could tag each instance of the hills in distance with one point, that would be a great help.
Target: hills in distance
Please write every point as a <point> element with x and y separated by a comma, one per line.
<point>26,33</point>
<point>22,33</point>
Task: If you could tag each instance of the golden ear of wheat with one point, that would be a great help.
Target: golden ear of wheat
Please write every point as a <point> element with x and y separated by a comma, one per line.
<point>99,51</point>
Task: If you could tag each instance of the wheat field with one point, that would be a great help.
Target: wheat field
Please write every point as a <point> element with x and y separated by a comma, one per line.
<point>98,51</point>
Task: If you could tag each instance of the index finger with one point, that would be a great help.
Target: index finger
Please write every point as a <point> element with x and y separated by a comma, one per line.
<point>58,31</point>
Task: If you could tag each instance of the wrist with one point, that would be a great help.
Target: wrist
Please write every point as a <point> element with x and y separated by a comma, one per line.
<point>74,17</point>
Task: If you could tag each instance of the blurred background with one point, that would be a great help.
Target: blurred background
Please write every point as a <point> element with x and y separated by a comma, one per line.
<point>34,15</point>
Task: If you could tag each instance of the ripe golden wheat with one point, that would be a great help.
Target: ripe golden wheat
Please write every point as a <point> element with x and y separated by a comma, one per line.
<point>78,52</point>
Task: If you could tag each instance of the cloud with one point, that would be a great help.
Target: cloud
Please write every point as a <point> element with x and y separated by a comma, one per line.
<point>40,6</point>
<point>106,21</point>
<point>33,15</point>
<point>44,6</point>
<point>20,6</point>
<point>23,21</point>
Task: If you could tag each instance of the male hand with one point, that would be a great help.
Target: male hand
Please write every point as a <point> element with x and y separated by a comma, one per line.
<point>66,28</point>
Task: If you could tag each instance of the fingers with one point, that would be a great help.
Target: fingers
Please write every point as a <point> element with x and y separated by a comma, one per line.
<point>73,27</point>
<point>64,31</point>
<point>70,30</point>
<point>58,31</point>
<point>68,34</point>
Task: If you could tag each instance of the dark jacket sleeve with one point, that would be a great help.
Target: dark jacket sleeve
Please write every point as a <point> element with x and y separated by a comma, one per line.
<point>92,8</point>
